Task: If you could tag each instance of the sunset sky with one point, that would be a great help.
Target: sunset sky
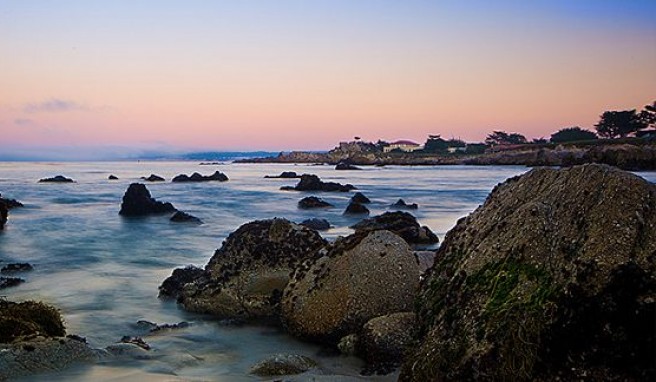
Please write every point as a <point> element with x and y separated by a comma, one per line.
<point>117,76</point>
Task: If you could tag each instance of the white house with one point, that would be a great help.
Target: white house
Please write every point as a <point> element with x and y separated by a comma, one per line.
<point>403,145</point>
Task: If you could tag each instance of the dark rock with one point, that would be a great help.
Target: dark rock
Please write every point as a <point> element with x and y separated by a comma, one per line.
<point>10,203</point>
<point>347,345</point>
<point>112,177</point>
<point>284,175</point>
<point>57,179</point>
<point>8,282</point>
<point>172,286</point>
<point>183,217</point>
<point>425,259</point>
<point>552,278</point>
<point>4,214</point>
<point>138,202</point>
<point>196,177</point>
<point>313,183</point>
<point>402,224</point>
<point>16,267</point>
<point>246,276</point>
<point>402,205</point>
<point>153,178</point>
<point>283,364</point>
<point>28,318</point>
<point>346,166</point>
<point>385,340</point>
<point>154,328</point>
<point>316,224</point>
<point>359,197</point>
<point>355,208</point>
<point>313,202</point>
<point>135,341</point>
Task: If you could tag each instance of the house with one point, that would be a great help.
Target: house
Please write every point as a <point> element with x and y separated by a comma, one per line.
<point>453,150</point>
<point>403,145</point>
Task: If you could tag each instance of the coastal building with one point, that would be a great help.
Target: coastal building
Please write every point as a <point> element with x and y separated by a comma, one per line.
<point>459,149</point>
<point>403,145</point>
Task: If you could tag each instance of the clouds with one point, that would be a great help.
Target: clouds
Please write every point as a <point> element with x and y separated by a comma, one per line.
<point>54,105</point>
<point>23,121</point>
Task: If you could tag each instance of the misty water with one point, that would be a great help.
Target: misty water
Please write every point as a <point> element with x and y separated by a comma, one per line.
<point>102,270</point>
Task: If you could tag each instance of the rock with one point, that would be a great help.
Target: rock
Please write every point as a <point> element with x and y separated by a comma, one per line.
<point>402,224</point>
<point>153,178</point>
<point>355,208</point>
<point>283,364</point>
<point>130,350</point>
<point>112,177</point>
<point>154,328</point>
<point>10,203</point>
<point>4,214</point>
<point>28,318</point>
<point>16,267</point>
<point>425,259</point>
<point>401,205</point>
<point>172,286</point>
<point>552,278</point>
<point>313,183</point>
<point>384,340</point>
<point>316,224</point>
<point>246,276</point>
<point>135,341</point>
<point>284,175</point>
<point>359,277</point>
<point>347,345</point>
<point>8,282</point>
<point>196,177</point>
<point>359,197</point>
<point>346,166</point>
<point>138,202</point>
<point>57,179</point>
<point>183,217</point>
<point>313,202</point>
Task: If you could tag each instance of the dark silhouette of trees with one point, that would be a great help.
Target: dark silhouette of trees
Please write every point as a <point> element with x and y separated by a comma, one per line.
<point>435,144</point>
<point>571,134</point>
<point>648,115</point>
<point>613,124</point>
<point>503,138</point>
<point>539,141</point>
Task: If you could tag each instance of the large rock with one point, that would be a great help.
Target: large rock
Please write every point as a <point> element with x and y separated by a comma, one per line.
<point>311,202</point>
<point>283,364</point>
<point>355,208</point>
<point>196,177</point>
<point>10,203</point>
<point>310,182</point>
<point>57,179</point>
<point>402,205</point>
<point>153,178</point>
<point>384,341</point>
<point>346,166</point>
<point>284,175</point>
<point>552,278</point>
<point>402,224</point>
<point>357,278</point>
<point>359,197</point>
<point>246,276</point>
<point>138,202</point>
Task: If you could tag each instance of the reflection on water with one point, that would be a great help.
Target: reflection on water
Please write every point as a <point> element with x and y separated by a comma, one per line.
<point>103,270</point>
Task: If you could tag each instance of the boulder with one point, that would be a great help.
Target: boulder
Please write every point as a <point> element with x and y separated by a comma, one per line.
<point>313,202</point>
<point>385,340</point>
<point>196,177</point>
<point>172,286</point>
<point>57,179</point>
<point>359,197</point>
<point>183,217</point>
<point>346,166</point>
<point>402,224</point>
<point>316,224</point>
<point>425,259</point>
<point>552,278</point>
<point>153,178</point>
<point>310,182</point>
<point>283,364</point>
<point>138,202</point>
<point>355,208</point>
<point>112,177</point>
<point>16,267</point>
<point>357,278</point>
<point>246,276</point>
<point>8,282</point>
<point>28,318</point>
<point>284,175</point>
<point>10,203</point>
<point>402,205</point>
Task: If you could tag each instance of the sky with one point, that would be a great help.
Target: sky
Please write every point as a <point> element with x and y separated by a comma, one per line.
<point>118,77</point>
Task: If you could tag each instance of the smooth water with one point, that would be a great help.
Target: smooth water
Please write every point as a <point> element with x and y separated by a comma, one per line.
<point>103,270</point>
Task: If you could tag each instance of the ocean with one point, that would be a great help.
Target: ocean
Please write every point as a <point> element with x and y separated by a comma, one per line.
<point>102,270</point>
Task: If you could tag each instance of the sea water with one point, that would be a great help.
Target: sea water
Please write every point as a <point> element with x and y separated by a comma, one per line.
<point>102,270</point>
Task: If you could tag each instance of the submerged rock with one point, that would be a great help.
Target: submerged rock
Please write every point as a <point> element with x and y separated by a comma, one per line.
<point>284,175</point>
<point>313,183</point>
<point>112,177</point>
<point>402,224</point>
<point>359,197</point>
<point>283,364</point>
<point>57,179</point>
<point>346,166</point>
<point>138,202</point>
<point>153,178</point>
<point>246,276</point>
<point>313,202</point>
<point>358,278</point>
<point>10,203</point>
<point>8,282</point>
<point>316,224</point>
<point>4,214</point>
<point>196,177</point>
<point>552,278</point>
<point>355,208</point>
<point>402,205</point>
<point>16,267</point>
<point>183,217</point>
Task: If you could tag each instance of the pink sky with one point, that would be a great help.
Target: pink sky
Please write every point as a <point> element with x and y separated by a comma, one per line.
<point>294,76</point>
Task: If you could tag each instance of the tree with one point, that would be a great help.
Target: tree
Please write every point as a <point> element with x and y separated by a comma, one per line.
<point>539,141</point>
<point>648,115</point>
<point>503,138</point>
<point>571,134</point>
<point>613,124</point>
<point>435,144</point>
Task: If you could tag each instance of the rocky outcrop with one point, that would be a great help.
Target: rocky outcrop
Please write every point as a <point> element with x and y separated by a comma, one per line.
<point>313,183</point>
<point>196,177</point>
<point>8,282</point>
<point>402,205</point>
<point>283,364</point>
<point>402,224</point>
<point>316,224</point>
<point>16,267</point>
<point>359,197</point>
<point>138,202</point>
<point>284,175</point>
<point>57,179</point>
<point>183,217</point>
<point>356,279</point>
<point>355,208</point>
<point>10,203</point>
<point>4,214</point>
<point>153,178</point>
<point>313,202</point>
<point>384,341</point>
<point>552,278</point>
<point>346,166</point>
<point>246,276</point>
